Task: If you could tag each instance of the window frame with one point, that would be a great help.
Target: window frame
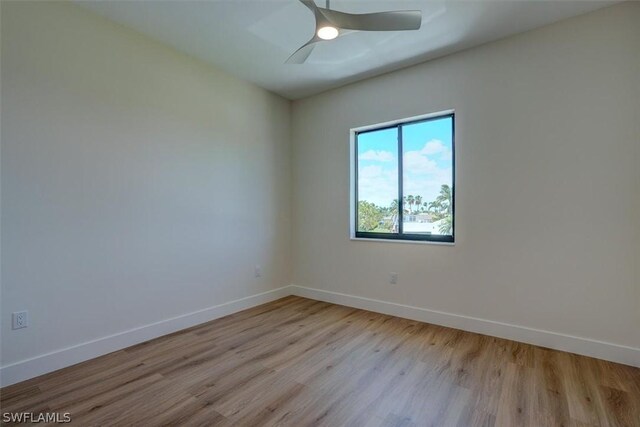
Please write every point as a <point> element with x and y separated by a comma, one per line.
<point>401,236</point>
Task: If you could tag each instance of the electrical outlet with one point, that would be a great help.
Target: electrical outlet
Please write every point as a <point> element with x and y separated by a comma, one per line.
<point>19,319</point>
<point>393,278</point>
<point>258,271</point>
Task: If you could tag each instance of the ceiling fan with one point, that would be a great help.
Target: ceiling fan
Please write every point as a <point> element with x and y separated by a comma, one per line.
<point>331,24</point>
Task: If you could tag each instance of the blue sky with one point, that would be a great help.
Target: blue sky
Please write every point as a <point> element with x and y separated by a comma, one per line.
<point>426,161</point>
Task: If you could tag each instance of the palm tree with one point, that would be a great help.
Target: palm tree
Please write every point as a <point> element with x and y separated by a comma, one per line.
<point>442,209</point>
<point>410,202</point>
<point>418,201</point>
<point>395,209</point>
<point>446,226</point>
<point>442,205</point>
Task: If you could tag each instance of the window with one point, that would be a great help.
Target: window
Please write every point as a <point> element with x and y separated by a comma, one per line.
<point>404,180</point>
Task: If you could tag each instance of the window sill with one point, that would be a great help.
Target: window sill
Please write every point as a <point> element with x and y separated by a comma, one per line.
<point>415,242</point>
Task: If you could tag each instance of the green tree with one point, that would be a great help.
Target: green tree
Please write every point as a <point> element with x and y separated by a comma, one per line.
<point>441,209</point>
<point>394,212</point>
<point>418,201</point>
<point>443,204</point>
<point>446,225</point>
<point>410,202</point>
<point>369,216</point>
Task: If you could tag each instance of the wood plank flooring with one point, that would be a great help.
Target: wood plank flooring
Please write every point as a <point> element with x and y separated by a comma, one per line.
<point>300,362</point>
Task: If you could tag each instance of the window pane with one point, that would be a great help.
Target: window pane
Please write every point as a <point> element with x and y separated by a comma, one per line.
<point>428,177</point>
<point>377,208</point>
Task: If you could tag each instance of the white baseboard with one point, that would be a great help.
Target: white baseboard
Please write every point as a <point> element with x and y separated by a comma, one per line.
<point>39,365</point>
<point>585,346</point>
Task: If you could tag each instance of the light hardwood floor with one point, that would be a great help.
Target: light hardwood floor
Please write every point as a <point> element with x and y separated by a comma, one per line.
<point>298,362</point>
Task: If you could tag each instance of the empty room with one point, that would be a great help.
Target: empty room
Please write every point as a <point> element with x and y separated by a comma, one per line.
<point>320,213</point>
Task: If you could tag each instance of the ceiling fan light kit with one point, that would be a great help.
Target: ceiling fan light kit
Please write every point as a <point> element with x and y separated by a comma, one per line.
<point>330,23</point>
<point>327,33</point>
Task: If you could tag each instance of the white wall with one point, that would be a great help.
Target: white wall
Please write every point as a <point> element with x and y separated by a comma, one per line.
<point>548,182</point>
<point>138,184</point>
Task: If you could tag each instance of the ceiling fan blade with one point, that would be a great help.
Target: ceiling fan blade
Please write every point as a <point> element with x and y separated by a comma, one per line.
<point>310,4</point>
<point>397,20</point>
<point>301,55</point>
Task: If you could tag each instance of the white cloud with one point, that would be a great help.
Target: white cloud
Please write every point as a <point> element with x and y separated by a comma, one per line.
<point>435,146</point>
<point>368,172</point>
<point>428,188</point>
<point>423,176</point>
<point>378,156</point>
<point>417,163</point>
<point>377,185</point>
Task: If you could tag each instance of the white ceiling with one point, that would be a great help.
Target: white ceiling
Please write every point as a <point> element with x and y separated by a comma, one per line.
<point>253,38</point>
